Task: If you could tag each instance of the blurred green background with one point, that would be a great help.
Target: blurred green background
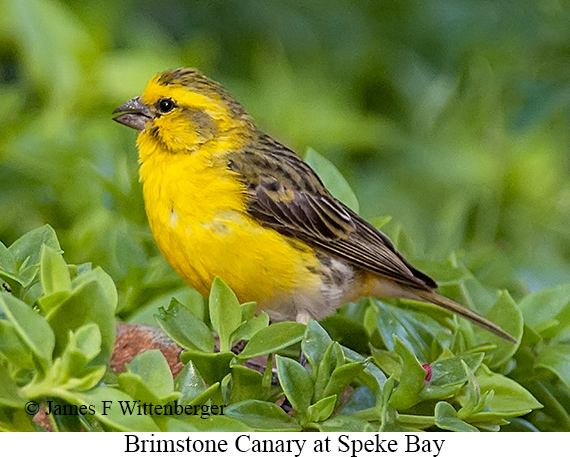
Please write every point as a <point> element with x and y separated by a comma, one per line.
<point>451,116</point>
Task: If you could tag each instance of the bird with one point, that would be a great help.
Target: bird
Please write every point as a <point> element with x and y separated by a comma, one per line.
<point>223,199</point>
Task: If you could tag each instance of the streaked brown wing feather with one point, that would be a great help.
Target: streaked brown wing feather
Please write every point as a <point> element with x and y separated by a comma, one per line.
<point>287,195</point>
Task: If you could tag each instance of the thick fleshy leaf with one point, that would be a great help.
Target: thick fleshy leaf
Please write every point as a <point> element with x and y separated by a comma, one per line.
<point>206,397</point>
<point>72,371</point>
<point>245,384</point>
<point>247,329</point>
<point>247,310</point>
<point>262,416</point>
<point>184,329</point>
<point>9,393</point>
<point>111,408</point>
<point>372,376</point>
<point>295,382</point>
<point>31,329</point>
<point>212,367</point>
<point>225,312</point>
<point>322,409</point>
<point>273,339</point>
<point>148,378</point>
<point>411,379</point>
<point>509,398</point>
<point>446,418</point>
<point>218,423</point>
<point>54,273</point>
<point>93,299</point>
<point>361,399</point>
<point>332,358</point>
<point>347,332</point>
<point>342,377</point>
<point>346,424</point>
<point>556,359</point>
<point>27,249</point>
<point>448,375</point>
<point>13,348</point>
<point>548,311</point>
<point>189,383</point>
<point>418,330</point>
<point>7,259</point>
<point>508,316</point>
<point>315,343</point>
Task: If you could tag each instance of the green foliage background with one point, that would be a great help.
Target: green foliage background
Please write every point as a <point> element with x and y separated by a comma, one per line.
<point>450,116</point>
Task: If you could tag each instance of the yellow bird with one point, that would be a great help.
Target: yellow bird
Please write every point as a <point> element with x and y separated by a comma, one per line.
<point>225,199</point>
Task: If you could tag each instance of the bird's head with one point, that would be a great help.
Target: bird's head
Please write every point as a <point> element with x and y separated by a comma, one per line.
<point>180,110</point>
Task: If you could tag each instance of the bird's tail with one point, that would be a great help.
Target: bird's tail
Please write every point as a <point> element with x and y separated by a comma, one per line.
<point>460,310</point>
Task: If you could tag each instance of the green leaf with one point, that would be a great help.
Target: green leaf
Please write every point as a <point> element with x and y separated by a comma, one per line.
<point>332,358</point>
<point>419,330</point>
<point>189,383</point>
<point>16,420</point>
<point>148,378</point>
<point>195,304</point>
<point>556,359</point>
<point>411,380</point>
<point>347,332</point>
<point>103,279</point>
<point>548,311</point>
<point>49,302</point>
<point>273,339</point>
<point>556,413</point>
<point>322,409</point>
<point>315,343</point>
<point>13,348</point>
<point>212,367</point>
<point>342,377</point>
<point>295,382</point>
<point>250,327</point>
<point>31,328</point>
<point>220,424</point>
<point>510,399</point>
<point>380,221</point>
<point>247,310</point>
<point>71,370</point>
<point>508,316</point>
<point>88,341</point>
<point>9,393</point>
<point>346,424</point>
<point>184,329</point>
<point>113,416</point>
<point>54,273</point>
<point>332,179</point>
<point>372,376</point>
<point>263,416</point>
<point>245,384</point>
<point>27,249</point>
<point>7,259</point>
<point>446,419</point>
<point>206,397</point>
<point>361,399</point>
<point>225,312</point>
<point>448,375</point>
<point>92,300</point>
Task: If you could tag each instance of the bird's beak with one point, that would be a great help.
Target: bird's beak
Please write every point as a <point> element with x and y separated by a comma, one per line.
<point>135,114</point>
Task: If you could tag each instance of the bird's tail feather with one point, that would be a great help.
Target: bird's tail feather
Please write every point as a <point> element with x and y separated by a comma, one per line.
<point>464,312</point>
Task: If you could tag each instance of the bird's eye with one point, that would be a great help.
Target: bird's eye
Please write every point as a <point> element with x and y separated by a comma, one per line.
<point>165,105</point>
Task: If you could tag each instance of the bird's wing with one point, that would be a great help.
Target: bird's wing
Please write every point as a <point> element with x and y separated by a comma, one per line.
<point>284,193</point>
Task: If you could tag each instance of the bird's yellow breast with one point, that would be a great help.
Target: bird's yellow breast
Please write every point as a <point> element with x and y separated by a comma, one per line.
<point>196,209</point>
